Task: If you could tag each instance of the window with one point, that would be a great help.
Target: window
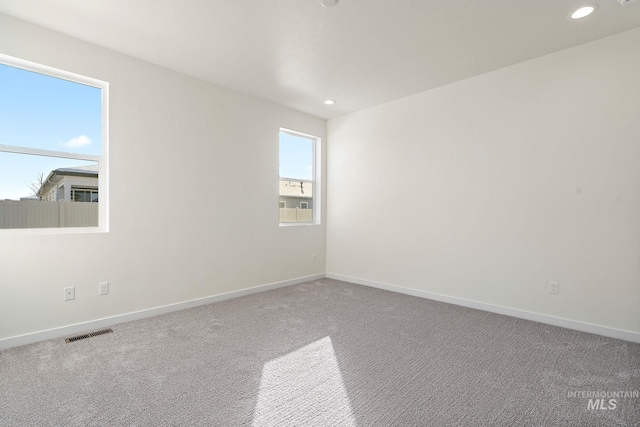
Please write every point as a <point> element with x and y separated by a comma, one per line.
<point>299,183</point>
<point>53,149</point>
<point>84,195</point>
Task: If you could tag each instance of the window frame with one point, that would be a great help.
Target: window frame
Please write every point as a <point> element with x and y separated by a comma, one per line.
<point>316,178</point>
<point>85,190</point>
<point>102,160</point>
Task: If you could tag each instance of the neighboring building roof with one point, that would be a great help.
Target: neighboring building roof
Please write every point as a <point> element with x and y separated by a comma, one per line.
<point>90,171</point>
<point>296,189</point>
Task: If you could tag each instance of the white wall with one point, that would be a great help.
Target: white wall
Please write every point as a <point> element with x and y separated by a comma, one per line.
<point>489,188</point>
<point>179,148</point>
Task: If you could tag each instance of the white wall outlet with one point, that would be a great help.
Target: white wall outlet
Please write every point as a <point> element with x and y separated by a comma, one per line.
<point>69,293</point>
<point>103,288</point>
<point>313,258</point>
<point>554,287</point>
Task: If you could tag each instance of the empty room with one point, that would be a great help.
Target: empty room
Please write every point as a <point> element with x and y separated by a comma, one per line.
<point>319,213</point>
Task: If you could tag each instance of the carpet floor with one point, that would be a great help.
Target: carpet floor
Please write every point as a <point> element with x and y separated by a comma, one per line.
<point>325,353</point>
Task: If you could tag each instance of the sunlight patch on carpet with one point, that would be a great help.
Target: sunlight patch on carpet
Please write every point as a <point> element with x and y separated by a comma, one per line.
<point>304,387</point>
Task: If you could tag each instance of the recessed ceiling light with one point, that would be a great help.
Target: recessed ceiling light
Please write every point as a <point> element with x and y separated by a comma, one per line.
<point>584,11</point>
<point>329,102</point>
<point>328,3</point>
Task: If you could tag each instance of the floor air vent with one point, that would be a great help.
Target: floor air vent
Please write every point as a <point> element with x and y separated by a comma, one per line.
<point>89,335</point>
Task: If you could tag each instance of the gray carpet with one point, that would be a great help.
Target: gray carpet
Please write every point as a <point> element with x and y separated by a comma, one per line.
<point>323,353</point>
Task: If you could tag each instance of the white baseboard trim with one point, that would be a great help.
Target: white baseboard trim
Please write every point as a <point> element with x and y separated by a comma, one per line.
<point>536,317</point>
<point>136,315</point>
<point>62,331</point>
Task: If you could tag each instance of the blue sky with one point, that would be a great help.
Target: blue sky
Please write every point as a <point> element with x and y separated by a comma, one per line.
<point>296,156</point>
<point>38,111</point>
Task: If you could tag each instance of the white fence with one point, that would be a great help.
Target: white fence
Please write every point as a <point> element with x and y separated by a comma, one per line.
<point>36,214</point>
<point>296,215</point>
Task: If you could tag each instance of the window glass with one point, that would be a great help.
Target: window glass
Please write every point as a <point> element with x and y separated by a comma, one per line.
<point>21,175</point>
<point>296,156</point>
<point>52,147</point>
<point>297,185</point>
<point>40,111</point>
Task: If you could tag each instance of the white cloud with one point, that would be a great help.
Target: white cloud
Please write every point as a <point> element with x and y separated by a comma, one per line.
<point>79,141</point>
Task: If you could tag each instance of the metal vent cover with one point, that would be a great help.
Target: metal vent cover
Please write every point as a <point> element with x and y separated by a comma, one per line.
<point>89,335</point>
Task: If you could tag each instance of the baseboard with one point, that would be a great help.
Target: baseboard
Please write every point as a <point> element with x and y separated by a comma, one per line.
<point>64,331</point>
<point>536,317</point>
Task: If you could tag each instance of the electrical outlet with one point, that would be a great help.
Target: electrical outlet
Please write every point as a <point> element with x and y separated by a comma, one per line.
<point>554,287</point>
<point>69,293</point>
<point>313,258</point>
<point>103,288</point>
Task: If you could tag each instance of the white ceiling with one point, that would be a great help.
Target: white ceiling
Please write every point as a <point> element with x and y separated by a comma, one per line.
<point>361,53</point>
